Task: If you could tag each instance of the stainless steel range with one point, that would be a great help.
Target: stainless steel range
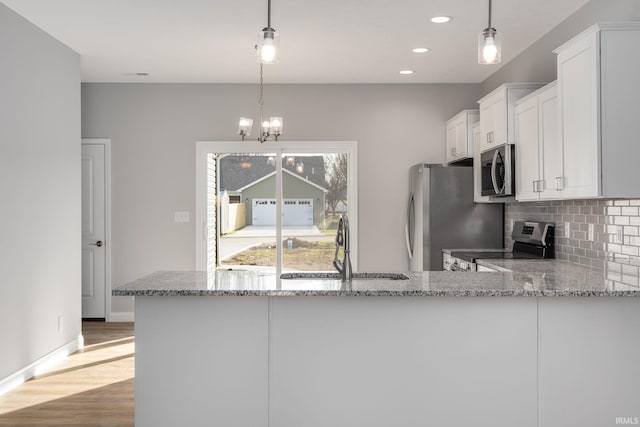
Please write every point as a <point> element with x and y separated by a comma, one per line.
<point>531,240</point>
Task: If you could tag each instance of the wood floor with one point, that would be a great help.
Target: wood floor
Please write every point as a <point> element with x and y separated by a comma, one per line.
<point>93,387</point>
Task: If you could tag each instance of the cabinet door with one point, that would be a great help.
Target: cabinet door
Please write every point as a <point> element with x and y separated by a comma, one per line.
<point>527,154</point>
<point>588,351</point>
<point>477,168</point>
<point>387,361</point>
<point>551,173</point>
<point>461,138</point>
<point>499,119</point>
<point>578,98</point>
<point>486,125</point>
<point>451,147</point>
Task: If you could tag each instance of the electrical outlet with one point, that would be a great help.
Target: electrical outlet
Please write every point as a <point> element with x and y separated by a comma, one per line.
<point>567,231</point>
<point>619,235</point>
<point>181,216</point>
<point>60,323</point>
<point>591,232</point>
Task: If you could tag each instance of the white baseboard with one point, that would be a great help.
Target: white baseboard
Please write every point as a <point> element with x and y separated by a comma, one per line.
<point>29,371</point>
<point>120,316</point>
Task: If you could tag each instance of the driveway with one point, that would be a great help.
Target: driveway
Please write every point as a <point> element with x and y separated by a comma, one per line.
<point>253,235</point>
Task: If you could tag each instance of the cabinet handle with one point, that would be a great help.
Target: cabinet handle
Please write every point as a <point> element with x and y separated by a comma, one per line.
<point>559,183</point>
<point>537,186</point>
<point>490,137</point>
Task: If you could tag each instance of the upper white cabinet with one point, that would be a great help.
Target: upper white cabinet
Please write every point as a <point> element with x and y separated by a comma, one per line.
<point>477,169</point>
<point>598,88</point>
<point>497,112</point>
<point>459,144</point>
<point>539,171</point>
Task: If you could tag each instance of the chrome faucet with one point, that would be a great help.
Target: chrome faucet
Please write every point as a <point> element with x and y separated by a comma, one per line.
<point>342,240</point>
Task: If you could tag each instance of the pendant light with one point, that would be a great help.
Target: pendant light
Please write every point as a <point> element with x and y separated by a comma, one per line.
<point>268,41</point>
<point>267,48</point>
<point>489,44</point>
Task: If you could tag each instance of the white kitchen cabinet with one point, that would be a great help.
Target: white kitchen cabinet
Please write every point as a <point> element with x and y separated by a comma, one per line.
<point>588,366</point>
<point>459,140</point>
<point>389,361</point>
<point>477,169</point>
<point>539,173</point>
<point>497,112</point>
<point>598,89</point>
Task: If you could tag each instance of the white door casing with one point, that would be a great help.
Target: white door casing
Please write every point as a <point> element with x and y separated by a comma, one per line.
<point>94,230</point>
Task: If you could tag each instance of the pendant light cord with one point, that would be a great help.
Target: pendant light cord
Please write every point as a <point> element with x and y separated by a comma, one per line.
<point>261,103</point>
<point>489,13</point>
<point>269,13</point>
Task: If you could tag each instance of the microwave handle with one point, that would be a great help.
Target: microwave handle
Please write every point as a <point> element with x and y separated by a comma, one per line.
<point>494,181</point>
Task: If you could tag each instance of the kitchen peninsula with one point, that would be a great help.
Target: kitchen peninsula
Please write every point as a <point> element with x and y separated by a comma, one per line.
<point>239,348</point>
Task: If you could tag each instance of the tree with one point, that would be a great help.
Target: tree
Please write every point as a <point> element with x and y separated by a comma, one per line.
<point>336,180</point>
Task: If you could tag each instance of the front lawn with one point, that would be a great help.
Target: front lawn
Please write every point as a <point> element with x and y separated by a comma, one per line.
<point>304,255</point>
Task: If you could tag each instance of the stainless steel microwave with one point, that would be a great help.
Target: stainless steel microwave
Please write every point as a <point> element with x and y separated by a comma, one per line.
<point>498,171</point>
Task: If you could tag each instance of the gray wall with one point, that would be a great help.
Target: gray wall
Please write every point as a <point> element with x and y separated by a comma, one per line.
<point>538,62</point>
<point>40,192</point>
<point>153,128</point>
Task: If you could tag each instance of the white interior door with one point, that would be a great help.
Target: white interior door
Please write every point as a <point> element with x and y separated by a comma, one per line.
<point>93,231</point>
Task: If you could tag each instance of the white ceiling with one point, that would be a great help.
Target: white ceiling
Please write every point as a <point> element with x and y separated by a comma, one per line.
<point>322,41</point>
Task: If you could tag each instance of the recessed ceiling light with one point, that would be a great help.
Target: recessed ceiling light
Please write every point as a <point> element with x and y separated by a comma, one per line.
<point>407,72</point>
<point>421,50</point>
<point>441,19</point>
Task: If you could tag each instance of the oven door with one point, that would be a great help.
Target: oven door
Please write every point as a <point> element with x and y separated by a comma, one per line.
<point>498,171</point>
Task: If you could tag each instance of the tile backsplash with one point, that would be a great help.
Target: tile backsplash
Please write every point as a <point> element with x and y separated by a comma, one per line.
<point>614,245</point>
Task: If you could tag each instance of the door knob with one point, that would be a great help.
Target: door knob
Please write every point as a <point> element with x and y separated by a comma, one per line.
<point>98,243</point>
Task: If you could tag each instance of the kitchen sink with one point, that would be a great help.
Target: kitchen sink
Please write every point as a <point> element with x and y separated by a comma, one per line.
<point>336,276</point>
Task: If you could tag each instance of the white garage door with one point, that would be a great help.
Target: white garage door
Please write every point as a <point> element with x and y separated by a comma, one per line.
<point>295,212</point>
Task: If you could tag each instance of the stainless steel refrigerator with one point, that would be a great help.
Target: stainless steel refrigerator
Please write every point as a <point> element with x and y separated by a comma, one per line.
<point>441,214</point>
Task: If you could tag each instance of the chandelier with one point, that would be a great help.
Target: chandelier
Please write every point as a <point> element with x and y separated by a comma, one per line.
<point>267,50</point>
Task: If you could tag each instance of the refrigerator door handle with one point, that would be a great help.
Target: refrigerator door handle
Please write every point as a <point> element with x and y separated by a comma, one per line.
<point>409,229</point>
<point>406,235</point>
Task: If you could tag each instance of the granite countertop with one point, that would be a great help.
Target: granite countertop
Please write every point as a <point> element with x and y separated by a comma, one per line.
<point>548,278</point>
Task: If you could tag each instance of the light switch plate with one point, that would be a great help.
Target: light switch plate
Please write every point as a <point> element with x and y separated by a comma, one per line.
<point>567,231</point>
<point>591,233</point>
<point>618,234</point>
<point>181,216</point>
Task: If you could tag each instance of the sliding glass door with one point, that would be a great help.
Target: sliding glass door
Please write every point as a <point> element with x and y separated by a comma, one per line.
<point>273,206</point>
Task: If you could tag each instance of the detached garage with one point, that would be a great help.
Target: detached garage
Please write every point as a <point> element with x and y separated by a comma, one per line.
<point>303,201</point>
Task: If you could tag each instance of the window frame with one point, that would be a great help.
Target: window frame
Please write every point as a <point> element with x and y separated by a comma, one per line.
<point>280,148</point>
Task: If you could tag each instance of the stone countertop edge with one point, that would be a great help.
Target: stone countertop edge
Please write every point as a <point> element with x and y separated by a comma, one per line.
<point>443,293</point>
<point>552,279</point>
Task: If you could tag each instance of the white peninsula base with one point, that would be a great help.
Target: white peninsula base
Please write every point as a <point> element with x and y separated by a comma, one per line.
<point>386,361</point>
